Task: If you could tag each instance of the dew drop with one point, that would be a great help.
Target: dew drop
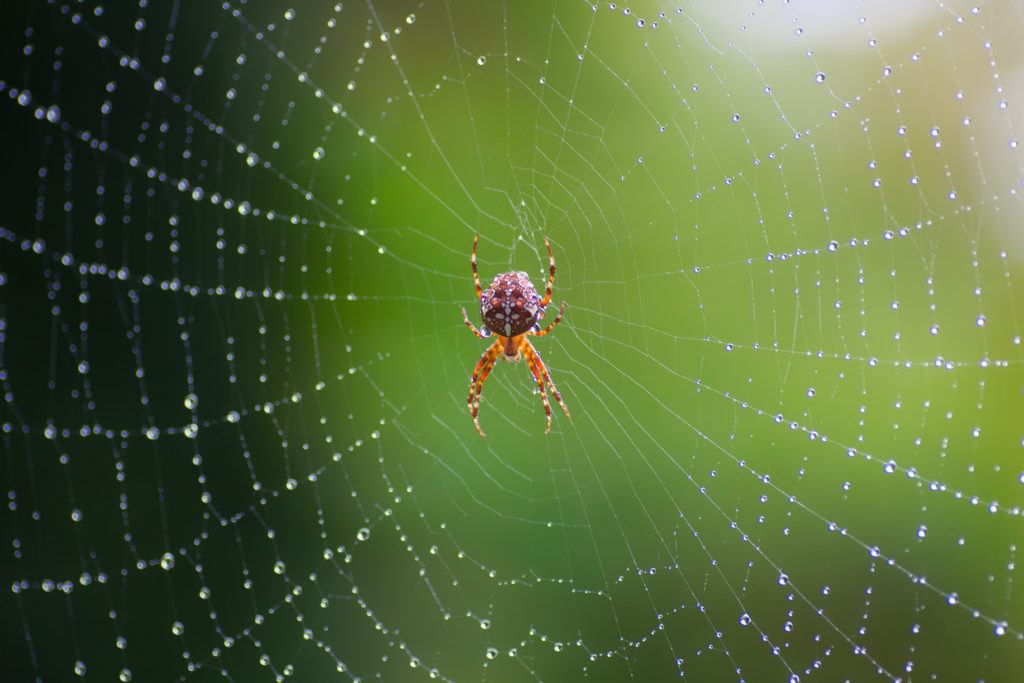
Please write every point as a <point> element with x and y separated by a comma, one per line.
<point>167,561</point>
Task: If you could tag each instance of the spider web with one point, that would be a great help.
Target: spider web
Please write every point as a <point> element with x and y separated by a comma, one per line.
<point>235,242</point>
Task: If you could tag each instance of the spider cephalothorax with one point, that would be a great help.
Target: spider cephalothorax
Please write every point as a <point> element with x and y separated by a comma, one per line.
<point>511,309</point>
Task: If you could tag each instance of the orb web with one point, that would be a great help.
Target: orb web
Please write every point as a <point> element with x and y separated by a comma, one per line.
<point>234,243</point>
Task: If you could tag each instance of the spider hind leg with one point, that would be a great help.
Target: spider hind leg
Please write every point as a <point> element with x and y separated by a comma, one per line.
<point>551,274</point>
<point>536,331</point>
<point>476,276</point>
<point>483,334</point>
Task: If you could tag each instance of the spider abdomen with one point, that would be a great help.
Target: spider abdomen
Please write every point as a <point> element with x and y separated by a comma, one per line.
<point>511,305</point>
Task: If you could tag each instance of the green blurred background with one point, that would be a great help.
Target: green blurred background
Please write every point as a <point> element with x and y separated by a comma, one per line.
<point>235,243</point>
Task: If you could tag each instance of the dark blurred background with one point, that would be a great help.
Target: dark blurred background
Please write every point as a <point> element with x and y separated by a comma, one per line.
<point>234,242</point>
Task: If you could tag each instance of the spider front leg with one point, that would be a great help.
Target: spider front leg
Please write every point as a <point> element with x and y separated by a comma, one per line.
<point>483,334</point>
<point>534,357</point>
<point>543,392</point>
<point>541,333</point>
<point>484,374</point>
<point>476,382</point>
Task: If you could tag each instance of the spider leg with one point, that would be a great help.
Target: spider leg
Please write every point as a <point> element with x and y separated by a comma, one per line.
<point>483,334</point>
<point>543,392</point>
<point>476,276</point>
<point>541,333</point>
<point>485,357</point>
<point>484,373</point>
<point>551,275</point>
<point>531,354</point>
<point>480,372</point>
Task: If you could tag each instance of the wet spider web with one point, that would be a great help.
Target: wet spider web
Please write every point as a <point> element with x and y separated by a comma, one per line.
<point>235,241</point>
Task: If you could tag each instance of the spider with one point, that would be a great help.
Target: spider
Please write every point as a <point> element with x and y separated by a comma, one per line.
<point>511,309</point>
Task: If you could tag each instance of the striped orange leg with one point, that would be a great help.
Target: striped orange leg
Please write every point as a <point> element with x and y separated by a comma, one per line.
<point>541,333</point>
<point>476,276</point>
<point>551,275</point>
<point>531,353</point>
<point>476,383</point>
<point>484,374</point>
<point>485,333</point>
<point>540,383</point>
